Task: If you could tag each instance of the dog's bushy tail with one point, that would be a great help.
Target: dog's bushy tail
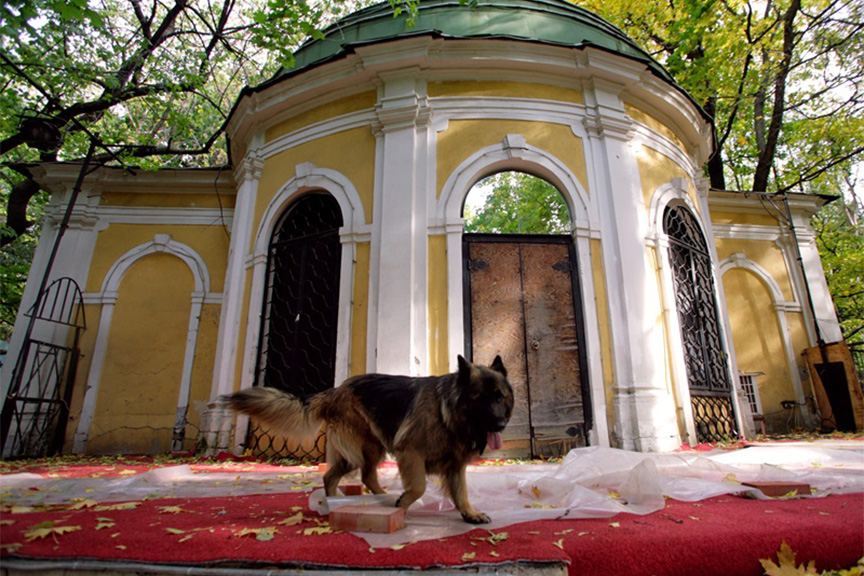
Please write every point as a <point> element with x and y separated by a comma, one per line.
<point>279,411</point>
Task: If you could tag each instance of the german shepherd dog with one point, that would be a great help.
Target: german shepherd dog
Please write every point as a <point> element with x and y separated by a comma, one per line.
<point>431,425</point>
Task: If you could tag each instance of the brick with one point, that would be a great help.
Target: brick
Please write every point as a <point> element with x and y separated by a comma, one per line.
<point>372,518</point>
<point>351,489</point>
<point>777,489</point>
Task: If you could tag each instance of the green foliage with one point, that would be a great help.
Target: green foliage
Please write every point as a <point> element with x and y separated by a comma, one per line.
<point>517,203</point>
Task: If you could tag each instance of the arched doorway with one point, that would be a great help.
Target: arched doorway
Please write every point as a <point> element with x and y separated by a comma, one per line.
<point>297,346</point>
<point>522,301</point>
<point>704,356</point>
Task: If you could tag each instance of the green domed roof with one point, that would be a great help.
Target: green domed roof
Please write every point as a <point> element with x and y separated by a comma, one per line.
<point>555,22</point>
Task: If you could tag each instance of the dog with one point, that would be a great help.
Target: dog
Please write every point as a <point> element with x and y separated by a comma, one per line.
<point>431,425</point>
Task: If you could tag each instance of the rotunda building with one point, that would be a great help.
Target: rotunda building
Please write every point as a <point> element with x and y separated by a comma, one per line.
<point>336,243</point>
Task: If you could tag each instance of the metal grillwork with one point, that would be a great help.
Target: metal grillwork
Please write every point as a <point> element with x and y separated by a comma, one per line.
<point>704,356</point>
<point>36,411</point>
<point>714,418</point>
<point>297,350</point>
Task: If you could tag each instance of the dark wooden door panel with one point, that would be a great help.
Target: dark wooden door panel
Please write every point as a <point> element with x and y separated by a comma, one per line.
<point>521,298</point>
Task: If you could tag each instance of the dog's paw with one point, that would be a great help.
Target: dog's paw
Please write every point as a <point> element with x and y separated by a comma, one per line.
<point>476,518</point>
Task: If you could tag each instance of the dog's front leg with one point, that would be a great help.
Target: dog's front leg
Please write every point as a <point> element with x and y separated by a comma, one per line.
<point>412,470</point>
<point>458,487</point>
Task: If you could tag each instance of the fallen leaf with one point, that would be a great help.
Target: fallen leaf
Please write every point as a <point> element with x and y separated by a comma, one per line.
<point>175,531</point>
<point>494,553</point>
<point>559,543</point>
<point>40,531</point>
<point>786,564</point>
<point>82,503</point>
<point>468,556</point>
<point>22,509</point>
<point>185,538</point>
<point>6,522</point>
<point>583,533</point>
<point>120,547</point>
<point>615,524</point>
<point>102,523</point>
<point>11,547</point>
<point>171,509</point>
<point>536,491</point>
<point>731,478</point>
<point>316,530</point>
<point>121,506</point>
<point>260,534</point>
<point>292,520</point>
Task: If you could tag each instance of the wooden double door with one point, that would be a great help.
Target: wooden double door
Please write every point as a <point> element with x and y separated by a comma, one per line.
<point>522,302</point>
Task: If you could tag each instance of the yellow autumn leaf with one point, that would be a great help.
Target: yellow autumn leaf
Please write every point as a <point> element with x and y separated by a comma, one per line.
<point>80,503</point>
<point>731,478</point>
<point>102,523</point>
<point>559,543</point>
<point>41,531</point>
<point>615,524</point>
<point>260,534</point>
<point>171,509</point>
<point>121,506</point>
<point>11,547</point>
<point>468,556</point>
<point>786,564</point>
<point>292,520</point>
<point>536,491</point>
<point>316,530</point>
<point>175,531</point>
<point>7,522</point>
<point>494,553</point>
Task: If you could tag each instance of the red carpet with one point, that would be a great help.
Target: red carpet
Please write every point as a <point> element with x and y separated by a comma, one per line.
<point>722,536</point>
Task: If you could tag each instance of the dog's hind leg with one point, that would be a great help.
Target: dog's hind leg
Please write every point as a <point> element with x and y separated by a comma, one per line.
<point>337,467</point>
<point>412,470</point>
<point>369,471</point>
<point>458,488</point>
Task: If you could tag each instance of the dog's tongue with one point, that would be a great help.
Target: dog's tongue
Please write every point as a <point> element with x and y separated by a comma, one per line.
<point>493,440</point>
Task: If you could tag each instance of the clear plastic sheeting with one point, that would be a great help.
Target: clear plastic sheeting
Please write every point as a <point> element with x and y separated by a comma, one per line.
<point>588,483</point>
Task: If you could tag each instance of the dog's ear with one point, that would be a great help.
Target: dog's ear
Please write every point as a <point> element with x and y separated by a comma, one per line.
<point>464,365</point>
<point>498,366</point>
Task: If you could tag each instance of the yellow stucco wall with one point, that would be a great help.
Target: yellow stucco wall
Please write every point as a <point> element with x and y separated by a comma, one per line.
<point>360,310</point>
<point>351,153</point>
<point>643,117</point>
<point>757,338</point>
<point>656,169</point>
<point>439,361</point>
<point>766,254</point>
<point>340,107</point>
<point>465,137</point>
<point>606,352</point>
<point>141,375</point>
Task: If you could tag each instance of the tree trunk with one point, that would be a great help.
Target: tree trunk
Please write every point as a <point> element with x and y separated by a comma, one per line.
<point>766,155</point>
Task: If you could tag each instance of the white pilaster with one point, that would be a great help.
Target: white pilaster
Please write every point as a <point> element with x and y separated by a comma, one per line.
<point>248,174</point>
<point>643,406</point>
<point>401,246</point>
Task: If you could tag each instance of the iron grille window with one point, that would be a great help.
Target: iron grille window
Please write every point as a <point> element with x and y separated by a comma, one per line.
<point>298,333</point>
<point>704,356</point>
<point>697,306</point>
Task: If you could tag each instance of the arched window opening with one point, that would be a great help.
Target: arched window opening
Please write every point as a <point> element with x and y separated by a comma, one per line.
<point>523,302</point>
<point>704,356</point>
<point>298,332</point>
<point>515,203</point>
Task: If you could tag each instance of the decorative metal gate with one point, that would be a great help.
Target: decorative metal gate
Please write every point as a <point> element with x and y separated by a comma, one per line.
<point>704,356</point>
<point>522,301</point>
<point>36,410</point>
<point>297,349</point>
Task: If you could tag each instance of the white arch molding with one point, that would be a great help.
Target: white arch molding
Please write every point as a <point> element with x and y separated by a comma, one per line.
<point>309,177</point>
<point>107,297</point>
<point>514,153</point>
<point>739,260</point>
